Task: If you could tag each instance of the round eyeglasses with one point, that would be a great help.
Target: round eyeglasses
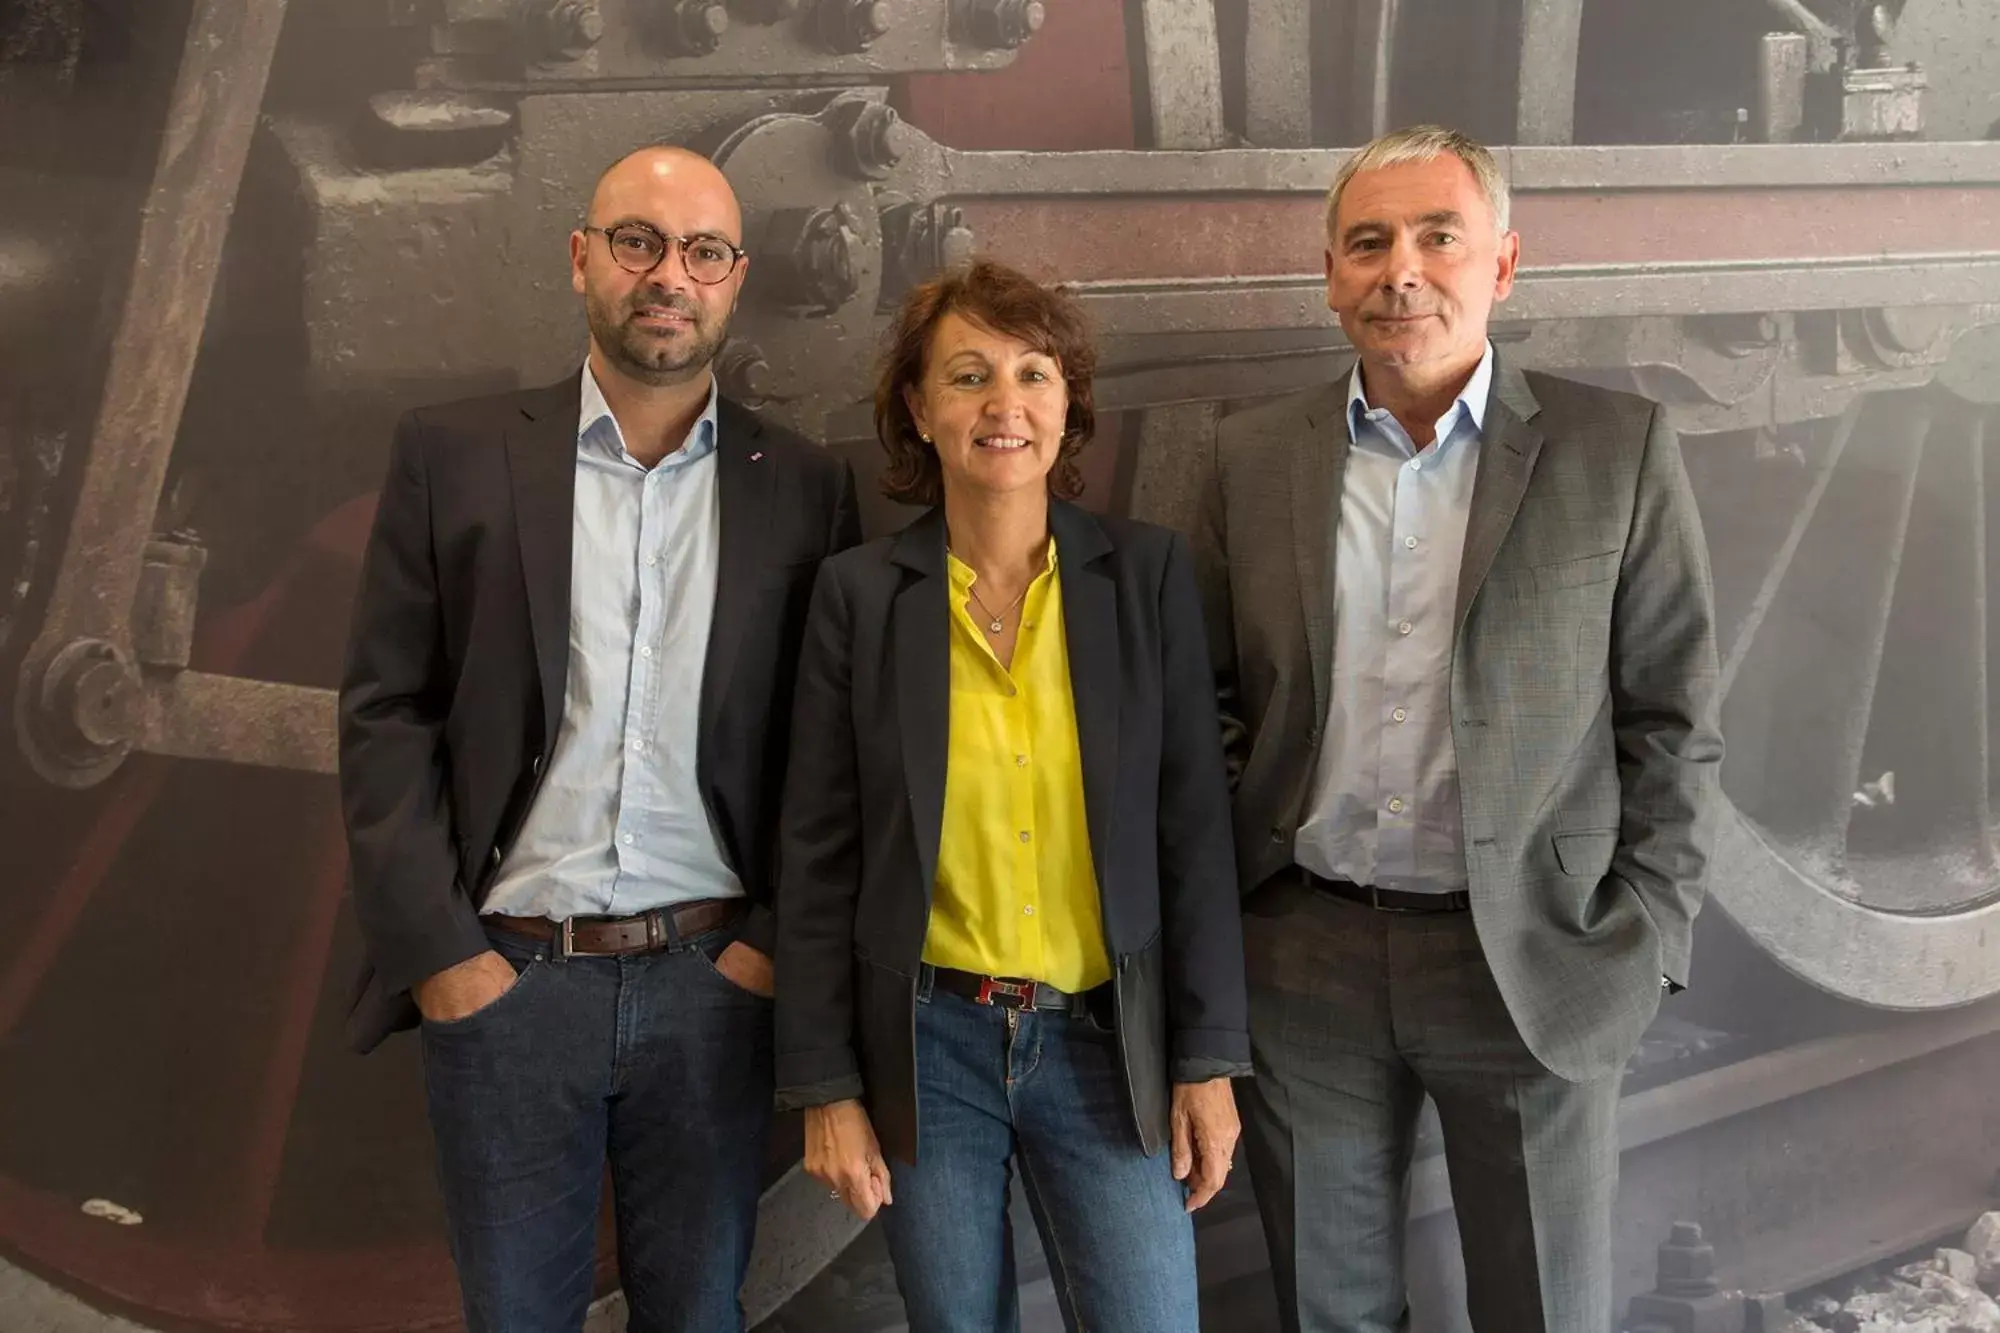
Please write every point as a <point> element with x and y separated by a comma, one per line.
<point>638,248</point>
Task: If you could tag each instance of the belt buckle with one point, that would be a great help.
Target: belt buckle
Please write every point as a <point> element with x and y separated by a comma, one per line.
<point>1023,992</point>
<point>1375,901</point>
<point>567,941</point>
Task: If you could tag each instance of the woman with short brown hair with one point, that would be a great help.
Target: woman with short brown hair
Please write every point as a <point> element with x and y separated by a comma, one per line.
<point>1008,930</point>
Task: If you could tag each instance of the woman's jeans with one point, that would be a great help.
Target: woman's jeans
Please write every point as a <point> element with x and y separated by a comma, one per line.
<point>1042,1092</point>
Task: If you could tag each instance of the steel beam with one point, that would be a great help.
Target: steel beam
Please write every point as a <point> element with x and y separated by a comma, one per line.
<point>209,123</point>
<point>1182,66</point>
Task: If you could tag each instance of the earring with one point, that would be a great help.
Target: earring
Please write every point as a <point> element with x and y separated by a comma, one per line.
<point>925,438</point>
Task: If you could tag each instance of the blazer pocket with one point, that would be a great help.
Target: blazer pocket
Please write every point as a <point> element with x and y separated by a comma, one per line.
<point>1577,573</point>
<point>1586,852</point>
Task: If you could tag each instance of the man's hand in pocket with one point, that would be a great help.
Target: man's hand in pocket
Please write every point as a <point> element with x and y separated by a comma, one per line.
<point>462,990</point>
<point>747,968</point>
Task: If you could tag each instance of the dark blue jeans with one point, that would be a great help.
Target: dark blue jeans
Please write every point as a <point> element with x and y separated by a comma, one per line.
<point>656,1062</point>
<point>1042,1092</point>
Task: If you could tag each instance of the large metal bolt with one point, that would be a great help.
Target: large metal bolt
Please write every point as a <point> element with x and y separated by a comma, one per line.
<point>955,241</point>
<point>1687,1263</point>
<point>1002,25</point>
<point>873,138</point>
<point>692,27</point>
<point>917,241</point>
<point>563,29</point>
<point>744,373</point>
<point>826,258</point>
<point>849,26</point>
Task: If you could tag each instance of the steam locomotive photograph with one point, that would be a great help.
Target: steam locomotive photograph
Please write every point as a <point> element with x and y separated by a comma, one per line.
<point>240,238</point>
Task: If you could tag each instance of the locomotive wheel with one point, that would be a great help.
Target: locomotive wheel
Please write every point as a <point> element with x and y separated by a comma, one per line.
<point>1859,714</point>
<point>284,1183</point>
<point>175,971</point>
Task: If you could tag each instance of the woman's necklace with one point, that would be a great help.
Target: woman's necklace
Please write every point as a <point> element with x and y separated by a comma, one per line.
<point>995,624</point>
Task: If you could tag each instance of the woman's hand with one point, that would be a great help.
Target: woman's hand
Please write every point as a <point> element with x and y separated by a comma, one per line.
<point>1205,1129</point>
<point>842,1154</point>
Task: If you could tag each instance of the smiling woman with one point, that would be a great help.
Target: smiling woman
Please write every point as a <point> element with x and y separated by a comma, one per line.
<point>954,907</point>
<point>954,337</point>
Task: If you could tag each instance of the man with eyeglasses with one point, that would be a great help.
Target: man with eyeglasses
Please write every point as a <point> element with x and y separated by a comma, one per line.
<point>562,728</point>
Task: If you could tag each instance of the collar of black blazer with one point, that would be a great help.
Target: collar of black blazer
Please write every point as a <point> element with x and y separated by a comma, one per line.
<point>1080,539</point>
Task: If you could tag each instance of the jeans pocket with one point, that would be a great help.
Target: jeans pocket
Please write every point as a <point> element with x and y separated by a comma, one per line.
<point>709,946</point>
<point>525,970</point>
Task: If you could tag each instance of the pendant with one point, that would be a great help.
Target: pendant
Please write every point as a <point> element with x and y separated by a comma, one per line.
<point>994,627</point>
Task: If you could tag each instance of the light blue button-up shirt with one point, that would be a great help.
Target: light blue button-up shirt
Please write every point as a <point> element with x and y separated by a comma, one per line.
<point>1384,808</point>
<point>619,825</point>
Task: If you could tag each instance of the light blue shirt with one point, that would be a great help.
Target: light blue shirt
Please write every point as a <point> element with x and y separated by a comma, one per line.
<point>1384,808</point>
<point>619,825</point>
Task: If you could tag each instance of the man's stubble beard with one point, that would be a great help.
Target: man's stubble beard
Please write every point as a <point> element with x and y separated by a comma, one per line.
<point>647,359</point>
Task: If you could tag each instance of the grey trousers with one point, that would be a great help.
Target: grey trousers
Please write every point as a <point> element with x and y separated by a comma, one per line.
<point>1355,1014</point>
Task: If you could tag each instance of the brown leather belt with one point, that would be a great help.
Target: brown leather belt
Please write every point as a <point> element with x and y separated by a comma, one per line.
<point>1389,900</point>
<point>610,936</point>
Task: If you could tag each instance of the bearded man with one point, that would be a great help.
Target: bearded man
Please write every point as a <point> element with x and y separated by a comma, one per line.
<point>562,729</point>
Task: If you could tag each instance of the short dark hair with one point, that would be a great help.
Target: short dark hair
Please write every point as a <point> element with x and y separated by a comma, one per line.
<point>1005,301</point>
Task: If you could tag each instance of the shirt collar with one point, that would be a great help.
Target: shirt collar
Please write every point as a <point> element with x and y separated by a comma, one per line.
<point>1473,398</point>
<point>962,576</point>
<point>597,429</point>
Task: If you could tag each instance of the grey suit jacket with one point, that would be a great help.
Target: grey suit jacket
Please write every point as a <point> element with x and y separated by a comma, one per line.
<point>1583,692</point>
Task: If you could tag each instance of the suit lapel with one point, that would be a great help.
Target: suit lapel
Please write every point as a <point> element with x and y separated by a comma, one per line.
<point>745,479</point>
<point>541,466</point>
<point>921,640</point>
<point>1318,469</point>
<point>1506,461</point>
<point>1090,622</point>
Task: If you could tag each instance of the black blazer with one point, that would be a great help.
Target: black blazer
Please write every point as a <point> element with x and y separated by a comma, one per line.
<point>459,653</point>
<point>864,809</point>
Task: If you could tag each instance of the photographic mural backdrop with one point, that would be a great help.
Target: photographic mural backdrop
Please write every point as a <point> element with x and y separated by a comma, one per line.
<point>238,237</point>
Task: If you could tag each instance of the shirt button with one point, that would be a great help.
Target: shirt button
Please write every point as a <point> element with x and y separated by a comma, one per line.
<point>638,745</point>
<point>1405,627</point>
<point>1029,910</point>
<point>651,561</point>
<point>1416,465</point>
<point>1401,715</point>
<point>1410,543</point>
<point>628,840</point>
<point>1025,835</point>
<point>1395,805</point>
<point>648,652</point>
<point>1020,761</point>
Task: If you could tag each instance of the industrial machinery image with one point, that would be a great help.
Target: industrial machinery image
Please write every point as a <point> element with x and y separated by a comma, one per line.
<point>239,237</point>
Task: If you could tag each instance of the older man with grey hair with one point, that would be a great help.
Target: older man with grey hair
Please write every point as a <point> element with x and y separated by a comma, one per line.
<point>1465,647</point>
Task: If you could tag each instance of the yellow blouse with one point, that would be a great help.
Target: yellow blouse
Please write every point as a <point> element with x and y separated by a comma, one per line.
<point>1016,893</point>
